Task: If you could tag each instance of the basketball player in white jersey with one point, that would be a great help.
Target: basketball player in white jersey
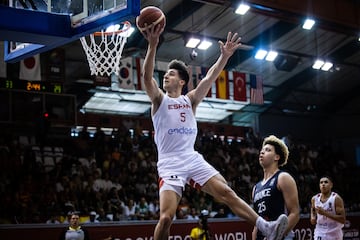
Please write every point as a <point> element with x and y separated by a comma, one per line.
<point>173,116</point>
<point>327,212</point>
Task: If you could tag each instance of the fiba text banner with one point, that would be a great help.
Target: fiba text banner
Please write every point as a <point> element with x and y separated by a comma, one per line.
<point>220,229</point>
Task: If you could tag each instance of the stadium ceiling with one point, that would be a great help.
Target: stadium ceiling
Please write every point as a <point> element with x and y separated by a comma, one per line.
<point>291,86</point>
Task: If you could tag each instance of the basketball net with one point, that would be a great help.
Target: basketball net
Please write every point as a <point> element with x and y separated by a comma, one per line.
<point>104,50</point>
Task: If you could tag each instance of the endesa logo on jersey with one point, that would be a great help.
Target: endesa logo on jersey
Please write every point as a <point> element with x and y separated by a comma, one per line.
<point>182,130</point>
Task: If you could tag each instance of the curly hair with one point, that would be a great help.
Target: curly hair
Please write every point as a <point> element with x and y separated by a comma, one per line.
<point>280,148</point>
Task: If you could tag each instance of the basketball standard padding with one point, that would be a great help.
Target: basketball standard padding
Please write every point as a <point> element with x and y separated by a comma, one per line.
<point>151,16</point>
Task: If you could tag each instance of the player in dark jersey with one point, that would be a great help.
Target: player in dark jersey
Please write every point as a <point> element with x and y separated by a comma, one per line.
<point>276,193</point>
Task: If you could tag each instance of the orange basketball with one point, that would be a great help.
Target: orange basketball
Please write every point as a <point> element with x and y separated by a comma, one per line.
<point>150,15</point>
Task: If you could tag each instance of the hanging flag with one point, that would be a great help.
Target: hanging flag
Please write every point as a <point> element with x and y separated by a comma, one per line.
<point>200,74</point>
<point>256,90</point>
<point>30,68</point>
<point>222,85</point>
<point>2,62</point>
<point>139,79</point>
<point>125,76</point>
<point>239,86</point>
<point>55,65</point>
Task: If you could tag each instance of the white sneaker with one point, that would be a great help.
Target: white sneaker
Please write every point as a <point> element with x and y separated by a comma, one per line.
<point>276,229</point>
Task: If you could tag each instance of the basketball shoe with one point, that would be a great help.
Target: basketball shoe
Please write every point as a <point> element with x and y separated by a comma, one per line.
<point>274,230</point>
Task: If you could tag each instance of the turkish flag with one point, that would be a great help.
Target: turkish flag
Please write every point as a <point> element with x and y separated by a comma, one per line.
<point>239,86</point>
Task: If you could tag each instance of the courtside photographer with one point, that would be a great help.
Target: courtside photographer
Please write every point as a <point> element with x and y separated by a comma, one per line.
<point>201,232</point>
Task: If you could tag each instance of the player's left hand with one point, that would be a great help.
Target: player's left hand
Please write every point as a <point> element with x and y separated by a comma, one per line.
<point>232,43</point>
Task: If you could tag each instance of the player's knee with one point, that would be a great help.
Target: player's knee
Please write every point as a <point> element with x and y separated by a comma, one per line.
<point>165,221</point>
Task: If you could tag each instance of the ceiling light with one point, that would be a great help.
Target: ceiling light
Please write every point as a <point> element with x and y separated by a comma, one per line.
<point>242,9</point>
<point>326,66</point>
<point>113,28</point>
<point>268,56</point>
<point>116,27</point>
<point>205,44</point>
<point>192,42</point>
<point>271,56</point>
<point>318,64</point>
<point>308,24</point>
<point>260,54</point>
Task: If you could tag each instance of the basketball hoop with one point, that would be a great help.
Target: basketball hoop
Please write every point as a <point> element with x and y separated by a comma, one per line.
<point>104,50</point>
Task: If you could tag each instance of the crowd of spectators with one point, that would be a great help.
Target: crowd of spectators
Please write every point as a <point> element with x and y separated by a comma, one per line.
<point>112,177</point>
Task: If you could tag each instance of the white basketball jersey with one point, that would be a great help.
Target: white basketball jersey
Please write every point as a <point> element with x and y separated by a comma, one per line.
<point>325,226</point>
<point>175,126</point>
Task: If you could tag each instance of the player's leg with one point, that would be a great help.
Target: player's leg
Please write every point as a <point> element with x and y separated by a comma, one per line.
<point>218,188</point>
<point>169,201</point>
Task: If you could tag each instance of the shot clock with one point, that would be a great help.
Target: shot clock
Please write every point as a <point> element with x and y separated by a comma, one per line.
<point>33,86</point>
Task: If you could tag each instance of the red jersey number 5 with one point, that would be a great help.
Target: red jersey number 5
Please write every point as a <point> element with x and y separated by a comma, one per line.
<point>182,117</point>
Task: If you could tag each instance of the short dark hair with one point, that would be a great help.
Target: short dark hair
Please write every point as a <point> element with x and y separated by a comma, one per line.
<point>182,69</point>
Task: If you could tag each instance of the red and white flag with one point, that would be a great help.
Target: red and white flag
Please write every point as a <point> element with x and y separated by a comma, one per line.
<point>139,79</point>
<point>30,68</point>
<point>125,76</point>
<point>256,90</point>
<point>239,86</point>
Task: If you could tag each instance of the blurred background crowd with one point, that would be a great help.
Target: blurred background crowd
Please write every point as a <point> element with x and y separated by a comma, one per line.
<point>113,177</point>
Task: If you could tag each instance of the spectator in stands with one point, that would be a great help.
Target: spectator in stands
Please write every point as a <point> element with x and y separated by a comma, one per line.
<point>327,212</point>
<point>220,213</point>
<point>93,218</point>
<point>74,231</point>
<point>142,210</point>
<point>102,217</point>
<point>53,219</point>
<point>129,210</point>
<point>178,162</point>
<point>277,192</point>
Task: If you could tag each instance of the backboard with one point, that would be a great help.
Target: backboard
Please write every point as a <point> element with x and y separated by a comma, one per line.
<point>36,26</point>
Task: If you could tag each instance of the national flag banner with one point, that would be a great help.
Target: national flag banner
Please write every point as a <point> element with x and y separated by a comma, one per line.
<point>239,86</point>
<point>200,74</point>
<point>30,68</point>
<point>55,65</point>
<point>125,77</point>
<point>139,82</point>
<point>256,89</point>
<point>2,62</point>
<point>222,85</point>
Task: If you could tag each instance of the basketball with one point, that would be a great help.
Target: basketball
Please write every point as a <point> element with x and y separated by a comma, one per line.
<point>151,16</point>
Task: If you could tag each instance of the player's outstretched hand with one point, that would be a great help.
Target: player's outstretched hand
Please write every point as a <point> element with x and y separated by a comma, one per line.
<point>232,43</point>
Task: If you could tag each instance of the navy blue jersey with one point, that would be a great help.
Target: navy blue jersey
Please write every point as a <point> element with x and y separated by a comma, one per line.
<point>268,200</point>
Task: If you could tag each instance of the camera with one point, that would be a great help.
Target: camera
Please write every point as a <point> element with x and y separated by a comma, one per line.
<point>193,55</point>
<point>204,215</point>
